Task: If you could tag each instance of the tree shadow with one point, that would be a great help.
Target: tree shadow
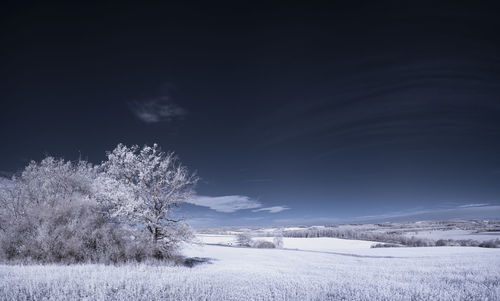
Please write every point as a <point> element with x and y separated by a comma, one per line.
<point>194,261</point>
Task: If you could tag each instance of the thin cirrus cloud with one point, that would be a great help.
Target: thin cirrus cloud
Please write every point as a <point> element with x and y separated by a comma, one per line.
<point>468,211</point>
<point>233,203</point>
<point>473,205</point>
<point>274,209</point>
<point>155,110</point>
<point>227,203</point>
<point>258,180</point>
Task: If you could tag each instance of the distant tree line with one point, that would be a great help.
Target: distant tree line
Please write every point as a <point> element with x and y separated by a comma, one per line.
<point>119,210</point>
<point>391,239</point>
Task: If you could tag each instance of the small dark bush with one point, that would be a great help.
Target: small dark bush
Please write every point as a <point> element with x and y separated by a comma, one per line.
<point>244,239</point>
<point>262,244</point>
<point>386,246</point>
<point>490,244</point>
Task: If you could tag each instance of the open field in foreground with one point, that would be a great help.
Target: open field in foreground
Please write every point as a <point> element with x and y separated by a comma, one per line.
<point>438,273</point>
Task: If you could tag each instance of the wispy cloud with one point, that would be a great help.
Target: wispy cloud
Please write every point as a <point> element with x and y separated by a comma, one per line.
<point>202,221</point>
<point>258,180</point>
<point>274,209</point>
<point>227,203</point>
<point>473,205</point>
<point>157,110</point>
<point>468,211</point>
<point>254,218</point>
<point>306,221</point>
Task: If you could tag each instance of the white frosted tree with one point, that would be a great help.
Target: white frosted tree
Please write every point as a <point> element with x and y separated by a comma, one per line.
<point>53,181</point>
<point>47,212</point>
<point>244,239</point>
<point>278,241</point>
<point>143,186</point>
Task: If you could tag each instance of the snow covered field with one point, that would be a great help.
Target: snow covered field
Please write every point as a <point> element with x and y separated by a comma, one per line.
<point>359,273</point>
<point>454,234</point>
<point>310,244</point>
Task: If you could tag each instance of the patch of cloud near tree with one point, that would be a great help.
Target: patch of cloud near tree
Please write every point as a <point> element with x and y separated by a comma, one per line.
<point>161,109</point>
<point>227,203</point>
<point>233,203</point>
<point>273,209</point>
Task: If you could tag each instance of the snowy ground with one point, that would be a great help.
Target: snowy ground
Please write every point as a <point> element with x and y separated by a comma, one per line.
<point>454,234</point>
<point>338,273</point>
<point>310,244</point>
<point>476,230</point>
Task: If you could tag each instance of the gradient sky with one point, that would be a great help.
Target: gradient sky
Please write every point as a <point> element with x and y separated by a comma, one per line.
<point>300,114</point>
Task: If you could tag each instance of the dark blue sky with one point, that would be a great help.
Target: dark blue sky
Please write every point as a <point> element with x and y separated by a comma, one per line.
<point>327,111</point>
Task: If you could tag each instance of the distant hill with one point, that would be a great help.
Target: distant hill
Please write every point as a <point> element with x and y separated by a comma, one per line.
<point>467,213</point>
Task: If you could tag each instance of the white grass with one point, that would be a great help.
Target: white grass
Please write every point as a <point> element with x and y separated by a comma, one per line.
<point>438,273</point>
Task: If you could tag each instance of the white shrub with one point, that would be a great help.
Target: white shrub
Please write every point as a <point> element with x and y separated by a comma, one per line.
<point>278,241</point>
<point>61,211</point>
<point>244,239</point>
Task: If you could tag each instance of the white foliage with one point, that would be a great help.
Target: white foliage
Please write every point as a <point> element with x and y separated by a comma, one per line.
<point>144,185</point>
<point>278,241</point>
<point>63,211</point>
<point>244,239</point>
